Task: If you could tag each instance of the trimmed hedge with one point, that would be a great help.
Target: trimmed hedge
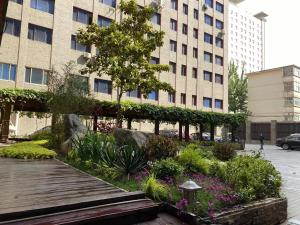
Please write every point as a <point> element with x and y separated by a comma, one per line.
<point>130,109</point>
<point>28,150</point>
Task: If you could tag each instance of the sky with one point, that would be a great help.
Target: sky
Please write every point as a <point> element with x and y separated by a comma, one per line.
<point>282,30</point>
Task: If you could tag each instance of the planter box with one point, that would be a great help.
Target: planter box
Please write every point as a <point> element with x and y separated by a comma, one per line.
<point>271,211</point>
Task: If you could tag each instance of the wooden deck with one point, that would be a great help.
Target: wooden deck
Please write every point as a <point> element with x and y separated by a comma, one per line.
<point>50,192</point>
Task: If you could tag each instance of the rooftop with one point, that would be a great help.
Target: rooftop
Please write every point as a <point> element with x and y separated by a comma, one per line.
<point>272,69</point>
<point>236,1</point>
<point>261,15</point>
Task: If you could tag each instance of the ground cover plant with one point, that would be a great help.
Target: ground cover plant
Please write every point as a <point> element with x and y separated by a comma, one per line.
<point>28,150</point>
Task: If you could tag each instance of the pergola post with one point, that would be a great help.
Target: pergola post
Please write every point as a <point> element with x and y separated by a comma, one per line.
<point>5,122</point>
<point>187,132</point>
<point>233,132</point>
<point>129,126</point>
<point>201,131</point>
<point>156,129</point>
<point>95,122</point>
<point>180,131</point>
<point>212,132</point>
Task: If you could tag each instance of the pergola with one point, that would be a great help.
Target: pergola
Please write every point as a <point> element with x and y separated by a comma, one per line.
<point>33,101</point>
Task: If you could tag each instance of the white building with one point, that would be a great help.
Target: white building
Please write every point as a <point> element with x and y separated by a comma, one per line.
<point>246,38</point>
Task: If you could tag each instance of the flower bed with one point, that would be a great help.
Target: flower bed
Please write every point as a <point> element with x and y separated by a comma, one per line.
<point>224,185</point>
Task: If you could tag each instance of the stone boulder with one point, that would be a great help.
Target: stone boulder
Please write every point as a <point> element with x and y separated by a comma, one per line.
<point>131,137</point>
<point>74,128</point>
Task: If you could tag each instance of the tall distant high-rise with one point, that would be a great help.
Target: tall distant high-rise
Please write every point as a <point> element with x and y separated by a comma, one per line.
<point>246,42</point>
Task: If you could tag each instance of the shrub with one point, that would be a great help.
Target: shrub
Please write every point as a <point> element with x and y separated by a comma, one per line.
<point>253,178</point>
<point>154,189</point>
<point>41,135</point>
<point>158,147</point>
<point>217,169</point>
<point>193,162</point>
<point>28,150</point>
<point>92,146</point>
<point>206,143</point>
<point>204,152</point>
<point>167,168</point>
<point>224,151</point>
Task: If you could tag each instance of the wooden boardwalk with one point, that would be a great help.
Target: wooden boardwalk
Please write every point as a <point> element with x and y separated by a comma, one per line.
<point>50,192</point>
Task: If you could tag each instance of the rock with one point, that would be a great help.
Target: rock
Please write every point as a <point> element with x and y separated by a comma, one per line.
<point>74,128</point>
<point>131,137</point>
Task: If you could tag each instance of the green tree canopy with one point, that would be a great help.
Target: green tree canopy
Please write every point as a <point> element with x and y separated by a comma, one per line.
<point>237,90</point>
<point>124,50</point>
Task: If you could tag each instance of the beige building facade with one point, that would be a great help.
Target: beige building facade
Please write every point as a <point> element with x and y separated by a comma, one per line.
<point>274,94</point>
<point>39,35</point>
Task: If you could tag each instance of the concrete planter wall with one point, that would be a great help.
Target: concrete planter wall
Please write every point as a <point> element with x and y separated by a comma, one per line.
<point>271,211</point>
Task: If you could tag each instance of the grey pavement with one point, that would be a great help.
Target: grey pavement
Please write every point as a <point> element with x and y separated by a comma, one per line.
<point>288,164</point>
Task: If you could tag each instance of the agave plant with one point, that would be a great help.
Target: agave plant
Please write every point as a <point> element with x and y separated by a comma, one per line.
<point>129,160</point>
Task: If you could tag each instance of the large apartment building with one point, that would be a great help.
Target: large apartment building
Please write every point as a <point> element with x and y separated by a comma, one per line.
<point>274,94</point>
<point>246,38</point>
<point>40,35</point>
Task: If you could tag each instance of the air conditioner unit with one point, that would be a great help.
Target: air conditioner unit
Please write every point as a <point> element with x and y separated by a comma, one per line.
<point>221,33</point>
<point>158,4</point>
<point>205,7</point>
<point>87,55</point>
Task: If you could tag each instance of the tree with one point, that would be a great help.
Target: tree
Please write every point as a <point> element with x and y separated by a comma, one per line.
<point>124,52</point>
<point>237,90</point>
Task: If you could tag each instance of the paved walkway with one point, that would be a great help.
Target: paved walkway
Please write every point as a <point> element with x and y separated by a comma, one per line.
<point>288,163</point>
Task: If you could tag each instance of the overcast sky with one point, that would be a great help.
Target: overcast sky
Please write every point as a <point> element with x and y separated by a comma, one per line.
<point>282,30</point>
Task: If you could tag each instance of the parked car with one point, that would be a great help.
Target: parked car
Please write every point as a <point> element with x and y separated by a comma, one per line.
<point>169,133</point>
<point>289,142</point>
<point>196,136</point>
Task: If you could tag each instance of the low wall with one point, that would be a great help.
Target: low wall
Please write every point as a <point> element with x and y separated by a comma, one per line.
<point>271,211</point>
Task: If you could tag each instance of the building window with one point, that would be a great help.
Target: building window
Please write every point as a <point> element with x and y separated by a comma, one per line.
<point>195,33</point>
<point>171,97</point>
<point>184,49</point>
<point>209,3</point>
<point>174,4</point>
<point>111,3</point>
<point>183,98</point>
<point>194,72</point>
<point>219,42</point>
<point>183,70</point>
<point>36,76</point>
<point>43,5</point>
<point>8,71</point>
<point>12,27</point>
<point>219,24</point>
<point>103,21</point>
<point>195,53</point>
<point>218,78</point>
<point>173,25</point>
<point>208,20</point>
<point>156,19</point>
<point>173,46</point>
<point>79,47</point>
<point>218,104</point>
<point>153,95</point>
<point>219,60</point>
<point>134,94</point>
<point>207,76</point>
<point>196,14</point>
<point>208,57</point>
<point>17,1</point>
<point>185,9</point>
<point>82,16</point>
<point>184,28</point>
<point>219,7</point>
<point>154,60</point>
<point>172,67</point>
<point>194,100</point>
<point>208,38</point>
<point>40,34</point>
<point>103,86</point>
<point>207,102</point>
